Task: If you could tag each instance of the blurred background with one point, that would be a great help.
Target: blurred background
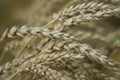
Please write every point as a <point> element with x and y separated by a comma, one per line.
<point>32,12</point>
<point>13,12</point>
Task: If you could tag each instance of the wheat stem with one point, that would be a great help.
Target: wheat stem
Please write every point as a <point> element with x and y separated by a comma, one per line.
<point>47,25</point>
<point>13,75</point>
<point>23,48</point>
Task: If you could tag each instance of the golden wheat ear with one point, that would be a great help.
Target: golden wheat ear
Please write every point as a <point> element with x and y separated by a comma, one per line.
<point>86,12</point>
<point>35,31</point>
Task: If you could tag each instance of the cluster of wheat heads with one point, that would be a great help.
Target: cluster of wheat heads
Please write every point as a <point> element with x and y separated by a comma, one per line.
<point>52,52</point>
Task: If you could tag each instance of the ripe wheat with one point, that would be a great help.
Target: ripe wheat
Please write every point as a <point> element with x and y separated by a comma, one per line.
<point>55,54</point>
